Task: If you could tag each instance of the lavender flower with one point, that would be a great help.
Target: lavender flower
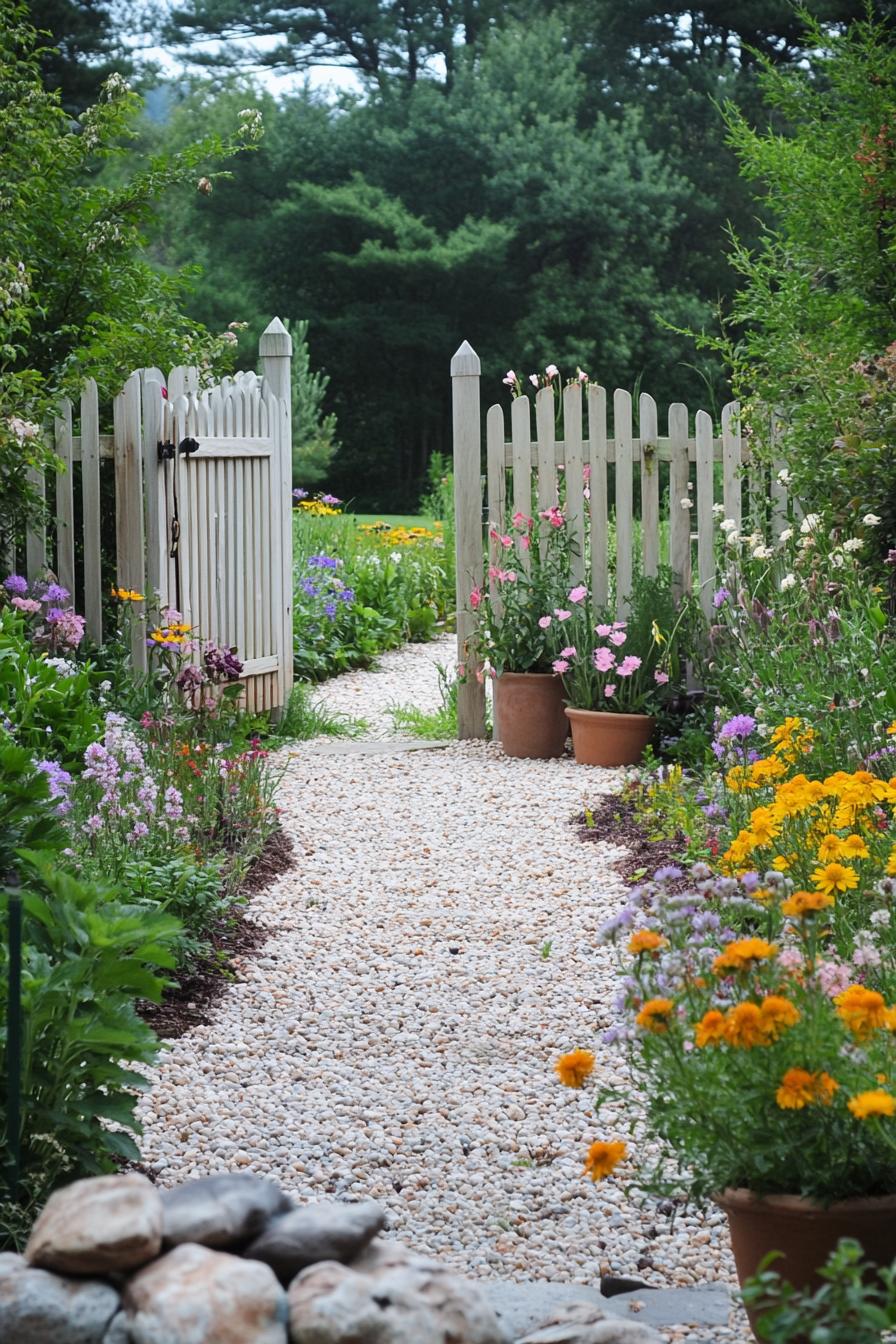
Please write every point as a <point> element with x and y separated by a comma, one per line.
<point>300,494</point>
<point>720,597</point>
<point>323,562</point>
<point>16,584</point>
<point>667,873</point>
<point>56,593</point>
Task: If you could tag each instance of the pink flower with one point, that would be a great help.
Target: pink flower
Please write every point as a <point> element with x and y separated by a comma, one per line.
<point>617,637</point>
<point>560,665</point>
<point>586,472</point>
<point>27,605</point>
<point>476,599</point>
<point>579,593</point>
<point>582,376</point>
<point>544,622</point>
<point>609,690</point>
<point>553,515</point>
<point>522,522</point>
<point>619,625</point>
<point>604,659</point>
<point>603,630</point>
<point>509,575</point>
<point>533,379</point>
<point>506,541</point>
<point>552,371</point>
<point>660,677</point>
<point>562,614</point>
<point>568,652</point>
<point>509,378</point>
<point>525,542</point>
<point>629,665</point>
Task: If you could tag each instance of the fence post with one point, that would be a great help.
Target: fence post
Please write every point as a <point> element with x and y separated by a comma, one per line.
<point>275,351</point>
<point>465,370</point>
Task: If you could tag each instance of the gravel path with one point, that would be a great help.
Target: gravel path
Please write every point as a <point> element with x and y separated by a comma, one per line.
<point>431,953</point>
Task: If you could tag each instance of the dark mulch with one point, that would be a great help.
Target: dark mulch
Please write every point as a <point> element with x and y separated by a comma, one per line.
<point>185,1005</point>
<point>615,820</point>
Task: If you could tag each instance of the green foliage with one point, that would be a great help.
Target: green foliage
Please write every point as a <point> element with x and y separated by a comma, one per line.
<point>87,956</point>
<point>438,725</point>
<point>854,1305</point>
<point>83,47</point>
<point>810,326</point>
<point>305,717</point>
<point>313,432</point>
<point>47,711</point>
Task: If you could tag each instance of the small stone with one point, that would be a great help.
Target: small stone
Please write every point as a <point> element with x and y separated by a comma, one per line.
<point>37,1307</point>
<point>404,1304</point>
<point>220,1211</point>
<point>194,1295</point>
<point>103,1225</point>
<point>324,1231</point>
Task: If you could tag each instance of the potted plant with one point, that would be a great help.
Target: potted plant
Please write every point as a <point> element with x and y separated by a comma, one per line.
<point>520,629</point>
<point>615,671</point>
<point>760,1020</point>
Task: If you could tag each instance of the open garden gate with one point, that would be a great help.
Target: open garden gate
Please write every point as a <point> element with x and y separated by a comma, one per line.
<point>203,509</point>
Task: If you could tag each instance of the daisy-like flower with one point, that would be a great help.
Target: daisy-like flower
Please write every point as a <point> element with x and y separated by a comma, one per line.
<point>873,1103</point>
<point>655,1014</point>
<point>574,1067</point>
<point>710,1030</point>
<point>646,940</point>
<point>863,1010</point>
<point>603,1157</point>
<point>835,877</point>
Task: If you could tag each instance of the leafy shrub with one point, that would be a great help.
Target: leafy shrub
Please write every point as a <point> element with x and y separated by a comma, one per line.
<point>192,892</point>
<point>854,1305</point>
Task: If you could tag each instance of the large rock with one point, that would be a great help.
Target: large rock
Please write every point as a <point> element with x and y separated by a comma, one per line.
<point>37,1307</point>
<point>419,1303</point>
<point>325,1231</point>
<point>194,1295</point>
<point>223,1212</point>
<point>588,1324</point>
<point>104,1225</point>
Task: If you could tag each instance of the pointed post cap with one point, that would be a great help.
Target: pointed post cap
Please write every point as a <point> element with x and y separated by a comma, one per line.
<point>275,340</point>
<point>466,362</point>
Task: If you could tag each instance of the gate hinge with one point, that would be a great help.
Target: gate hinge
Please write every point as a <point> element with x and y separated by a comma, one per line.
<point>168,450</point>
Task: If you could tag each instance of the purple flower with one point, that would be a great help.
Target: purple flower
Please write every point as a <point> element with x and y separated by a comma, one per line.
<point>330,499</point>
<point>59,781</point>
<point>140,831</point>
<point>720,597</point>
<point>741,726</point>
<point>330,609</point>
<point>222,664</point>
<point>54,616</point>
<point>346,595</point>
<point>667,873</point>
<point>174,803</point>
<point>308,588</point>
<point>323,562</point>
<point>300,494</point>
<point>190,679</point>
<point>16,584</point>
<point>56,593</point>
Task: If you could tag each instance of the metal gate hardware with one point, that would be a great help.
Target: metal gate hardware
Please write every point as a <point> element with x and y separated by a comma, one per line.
<point>168,450</point>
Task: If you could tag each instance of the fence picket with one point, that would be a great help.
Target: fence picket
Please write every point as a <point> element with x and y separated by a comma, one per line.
<point>36,536</point>
<point>521,436</point>
<point>546,492</point>
<point>597,485</point>
<point>497,490</point>
<point>622,435</point>
<point>778,491</point>
<point>467,434</point>
<point>679,518</point>
<point>575,498</point>
<point>650,484</point>
<point>156,559</point>
<point>705,519</point>
<point>129,529</point>
<point>731,462</point>
<point>65,498</point>
<point>90,496</point>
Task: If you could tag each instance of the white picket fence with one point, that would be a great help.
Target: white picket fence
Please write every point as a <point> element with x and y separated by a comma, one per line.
<point>203,510</point>
<point>680,466</point>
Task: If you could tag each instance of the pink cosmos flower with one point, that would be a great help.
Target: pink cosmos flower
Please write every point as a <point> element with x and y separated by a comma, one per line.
<point>579,593</point>
<point>603,630</point>
<point>617,637</point>
<point>604,659</point>
<point>629,665</point>
<point>560,665</point>
<point>568,652</point>
<point>660,677</point>
<point>544,622</point>
<point>562,614</point>
<point>609,690</point>
<point>476,599</point>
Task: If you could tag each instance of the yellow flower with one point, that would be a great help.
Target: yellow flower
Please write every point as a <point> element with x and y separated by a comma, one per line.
<point>739,956</point>
<point>573,1068</point>
<point>892,727</point>
<point>777,1014</point>
<point>800,1088</point>
<point>762,826</point>
<point>126,594</point>
<point>801,903</point>
<point>781,862</point>
<point>854,847</point>
<point>891,863</point>
<point>863,1010</point>
<point>645,940</point>
<point>604,1157</point>
<point>710,1030</point>
<point>829,848</point>
<point>876,1102</point>
<point>745,1026</point>
<point>655,1014</point>
<point>835,877</point>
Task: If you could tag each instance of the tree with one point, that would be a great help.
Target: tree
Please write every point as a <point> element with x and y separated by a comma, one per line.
<point>313,431</point>
<point>82,48</point>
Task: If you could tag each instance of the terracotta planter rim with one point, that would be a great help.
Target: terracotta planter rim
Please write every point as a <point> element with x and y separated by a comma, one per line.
<point>548,676</point>
<point>742,1199</point>
<point>571,710</point>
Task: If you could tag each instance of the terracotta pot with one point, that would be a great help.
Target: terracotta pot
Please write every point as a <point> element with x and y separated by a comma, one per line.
<point>805,1232</point>
<point>529,719</point>
<point>599,738</point>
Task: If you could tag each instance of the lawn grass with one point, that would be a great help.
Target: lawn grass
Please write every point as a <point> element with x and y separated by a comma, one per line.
<point>394,519</point>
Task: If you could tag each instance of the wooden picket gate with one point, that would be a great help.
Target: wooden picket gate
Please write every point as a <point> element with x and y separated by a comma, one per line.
<point>679,465</point>
<point>203,510</point>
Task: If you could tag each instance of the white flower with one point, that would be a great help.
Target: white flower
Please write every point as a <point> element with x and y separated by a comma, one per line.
<point>23,429</point>
<point>809,523</point>
<point>786,534</point>
<point>686,503</point>
<point>853,544</point>
<point>719,510</point>
<point>784,477</point>
<point>63,666</point>
<point>733,538</point>
<point>880,917</point>
<point>105,686</point>
<point>838,560</point>
<point>787,582</point>
<point>762,552</point>
<point>871,520</point>
<point>395,556</point>
<point>728,524</point>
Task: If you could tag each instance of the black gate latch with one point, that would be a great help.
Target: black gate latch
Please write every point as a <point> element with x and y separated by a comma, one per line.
<point>168,450</point>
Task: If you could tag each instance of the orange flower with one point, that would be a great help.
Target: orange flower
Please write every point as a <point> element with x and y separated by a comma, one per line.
<point>801,903</point>
<point>745,1027</point>
<point>603,1157</point>
<point>863,1010</point>
<point>777,1015</point>
<point>645,940</point>
<point>655,1014</point>
<point>800,1088</point>
<point>739,956</point>
<point>573,1068</point>
<point>867,1104</point>
<point>710,1030</point>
